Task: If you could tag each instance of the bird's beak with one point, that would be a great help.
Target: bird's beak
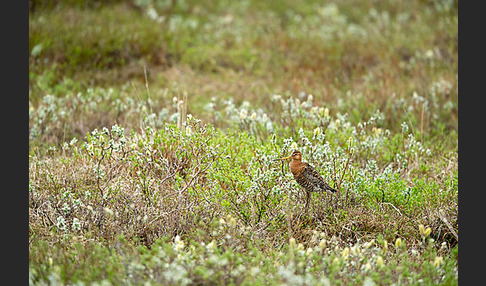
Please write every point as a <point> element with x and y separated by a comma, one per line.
<point>284,158</point>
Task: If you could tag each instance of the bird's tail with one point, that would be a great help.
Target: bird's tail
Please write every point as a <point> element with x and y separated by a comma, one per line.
<point>332,190</point>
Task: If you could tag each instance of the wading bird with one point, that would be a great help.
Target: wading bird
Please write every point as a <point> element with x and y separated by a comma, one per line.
<point>307,176</point>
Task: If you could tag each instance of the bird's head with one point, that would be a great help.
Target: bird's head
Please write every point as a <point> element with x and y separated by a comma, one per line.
<point>296,155</point>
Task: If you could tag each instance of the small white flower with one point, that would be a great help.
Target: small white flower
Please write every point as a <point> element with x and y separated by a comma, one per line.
<point>231,221</point>
<point>243,114</point>
<point>65,146</point>
<point>254,271</point>
<point>264,117</point>
<point>292,242</point>
<point>322,244</point>
<point>379,261</point>
<point>294,146</point>
<point>337,122</point>
<point>376,131</point>
<point>76,225</point>
<point>310,98</point>
<point>211,246</point>
<point>345,253</point>
<point>438,261</point>
<point>152,13</point>
<point>108,211</point>
<point>189,131</point>
<point>369,282</point>
<point>369,244</point>
<point>276,97</point>
<point>398,242</point>
<point>404,128</point>
<point>300,246</point>
<point>443,245</point>
<point>308,251</point>
<point>385,246</point>
<point>178,244</point>
<point>61,223</point>
<point>424,232</point>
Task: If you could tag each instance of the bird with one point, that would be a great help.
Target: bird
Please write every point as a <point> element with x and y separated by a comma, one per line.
<point>307,176</point>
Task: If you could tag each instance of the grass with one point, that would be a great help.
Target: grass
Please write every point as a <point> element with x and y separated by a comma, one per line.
<point>153,132</point>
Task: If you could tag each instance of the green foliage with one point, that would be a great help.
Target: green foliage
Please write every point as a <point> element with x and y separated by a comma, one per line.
<point>202,184</point>
<point>176,262</point>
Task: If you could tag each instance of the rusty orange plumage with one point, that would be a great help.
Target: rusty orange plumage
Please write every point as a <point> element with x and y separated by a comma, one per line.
<point>307,176</point>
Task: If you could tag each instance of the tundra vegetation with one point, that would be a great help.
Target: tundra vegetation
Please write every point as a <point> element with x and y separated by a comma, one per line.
<point>154,127</point>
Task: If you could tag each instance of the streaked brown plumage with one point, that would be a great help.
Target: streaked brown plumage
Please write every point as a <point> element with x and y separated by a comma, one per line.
<point>307,176</point>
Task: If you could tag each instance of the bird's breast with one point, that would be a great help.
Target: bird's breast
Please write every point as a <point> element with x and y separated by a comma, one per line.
<point>297,168</point>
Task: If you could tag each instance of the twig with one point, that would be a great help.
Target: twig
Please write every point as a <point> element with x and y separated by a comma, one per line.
<point>142,123</point>
<point>334,168</point>
<point>393,207</point>
<point>449,226</point>
<point>147,87</point>
<point>342,176</point>
<point>422,123</point>
<point>344,172</point>
<point>196,175</point>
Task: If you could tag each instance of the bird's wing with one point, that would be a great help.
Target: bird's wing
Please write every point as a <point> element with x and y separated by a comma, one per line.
<point>315,178</point>
<point>312,174</point>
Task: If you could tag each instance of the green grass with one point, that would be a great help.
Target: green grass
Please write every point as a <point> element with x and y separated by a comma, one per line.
<point>152,142</point>
<point>221,263</point>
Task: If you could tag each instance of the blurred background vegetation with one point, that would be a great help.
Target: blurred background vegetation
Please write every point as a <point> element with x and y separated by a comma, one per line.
<point>354,57</point>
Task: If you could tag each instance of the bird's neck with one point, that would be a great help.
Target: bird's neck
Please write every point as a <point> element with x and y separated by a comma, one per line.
<point>296,166</point>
